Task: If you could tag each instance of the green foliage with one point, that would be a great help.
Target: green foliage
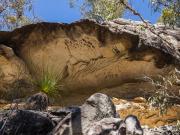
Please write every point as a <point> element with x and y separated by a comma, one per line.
<point>12,13</point>
<point>46,78</point>
<point>100,9</point>
<point>168,16</point>
<point>170,11</point>
<point>48,81</point>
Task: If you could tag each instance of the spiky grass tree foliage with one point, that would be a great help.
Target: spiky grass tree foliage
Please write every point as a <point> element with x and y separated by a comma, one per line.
<point>48,81</point>
<point>47,78</point>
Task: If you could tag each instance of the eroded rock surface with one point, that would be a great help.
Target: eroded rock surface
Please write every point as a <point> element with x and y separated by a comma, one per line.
<point>14,75</point>
<point>91,56</point>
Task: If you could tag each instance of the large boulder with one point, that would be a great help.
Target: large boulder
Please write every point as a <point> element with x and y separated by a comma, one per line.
<point>22,122</point>
<point>89,56</point>
<point>39,102</point>
<point>96,107</point>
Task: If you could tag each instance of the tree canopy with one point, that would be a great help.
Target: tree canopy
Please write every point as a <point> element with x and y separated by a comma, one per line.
<point>101,9</point>
<point>170,11</point>
<point>13,13</point>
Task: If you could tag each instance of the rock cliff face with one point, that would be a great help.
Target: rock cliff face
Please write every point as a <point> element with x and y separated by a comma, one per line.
<point>90,56</point>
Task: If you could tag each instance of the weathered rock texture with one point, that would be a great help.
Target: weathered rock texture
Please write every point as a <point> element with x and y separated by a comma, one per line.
<point>92,56</point>
<point>13,75</point>
<point>22,122</point>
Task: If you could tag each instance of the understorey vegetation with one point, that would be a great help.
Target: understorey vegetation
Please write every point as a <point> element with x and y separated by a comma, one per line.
<point>164,97</point>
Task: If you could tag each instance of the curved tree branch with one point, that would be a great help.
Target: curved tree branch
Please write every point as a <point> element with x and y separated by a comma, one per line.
<point>147,25</point>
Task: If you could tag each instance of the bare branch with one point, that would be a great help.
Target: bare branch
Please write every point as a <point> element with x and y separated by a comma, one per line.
<point>147,25</point>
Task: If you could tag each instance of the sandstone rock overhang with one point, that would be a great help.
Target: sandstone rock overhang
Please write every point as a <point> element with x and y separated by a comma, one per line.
<point>158,36</point>
<point>96,56</point>
<point>135,30</point>
<point>17,37</point>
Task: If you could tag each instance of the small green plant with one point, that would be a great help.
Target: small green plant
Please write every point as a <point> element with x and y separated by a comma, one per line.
<point>47,77</point>
<point>48,82</point>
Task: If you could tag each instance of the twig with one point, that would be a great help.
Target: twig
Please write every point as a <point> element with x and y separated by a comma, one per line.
<point>57,129</point>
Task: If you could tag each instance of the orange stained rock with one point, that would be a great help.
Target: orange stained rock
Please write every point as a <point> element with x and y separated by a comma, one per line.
<point>149,116</point>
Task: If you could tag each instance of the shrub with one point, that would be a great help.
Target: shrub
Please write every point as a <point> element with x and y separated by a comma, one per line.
<point>48,81</point>
<point>163,95</point>
<point>46,78</point>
